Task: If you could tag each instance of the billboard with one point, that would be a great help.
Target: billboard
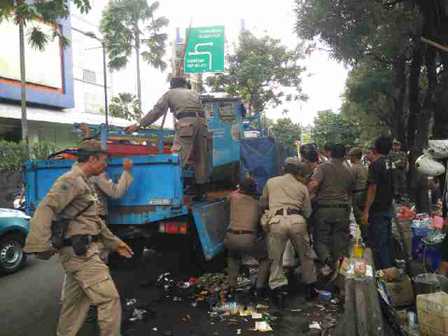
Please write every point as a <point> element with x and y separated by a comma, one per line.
<point>49,73</point>
<point>42,67</point>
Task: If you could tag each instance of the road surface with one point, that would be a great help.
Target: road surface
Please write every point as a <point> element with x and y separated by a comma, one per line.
<point>29,304</point>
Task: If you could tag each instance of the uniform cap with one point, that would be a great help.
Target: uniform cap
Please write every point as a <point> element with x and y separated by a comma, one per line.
<point>177,82</point>
<point>355,151</point>
<point>304,169</point>
<point>293,161</point>
<point>396,142</point>
<point>91,146</point>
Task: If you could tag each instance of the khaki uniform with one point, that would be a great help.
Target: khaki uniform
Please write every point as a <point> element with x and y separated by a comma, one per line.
<point>281,193</point>
<point>245,214</point>
<point>400,161</point>
<point>192,141</point>
<point>88,278</point>
<point>105,188</point>
<point>361,175</point>
<point>332,210</point>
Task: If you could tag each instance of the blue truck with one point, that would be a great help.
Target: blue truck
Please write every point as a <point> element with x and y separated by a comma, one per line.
<point>156,211</point>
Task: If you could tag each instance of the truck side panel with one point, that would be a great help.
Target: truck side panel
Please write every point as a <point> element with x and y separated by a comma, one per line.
<point>156,194</point>
<point>211,222</point>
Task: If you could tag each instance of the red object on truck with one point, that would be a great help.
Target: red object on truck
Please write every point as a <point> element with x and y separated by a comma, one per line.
<point>118,150</point>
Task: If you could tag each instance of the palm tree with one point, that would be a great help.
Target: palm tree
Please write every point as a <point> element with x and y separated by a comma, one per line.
<point>126,25</point>
<point>25,14</point>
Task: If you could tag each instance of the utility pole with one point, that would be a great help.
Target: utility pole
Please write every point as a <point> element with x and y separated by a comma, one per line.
<point>23,86</point>
<point>103,46</point>
<point>106,106</point>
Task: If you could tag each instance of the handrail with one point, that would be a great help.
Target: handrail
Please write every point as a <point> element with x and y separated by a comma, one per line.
<point>105,132</point>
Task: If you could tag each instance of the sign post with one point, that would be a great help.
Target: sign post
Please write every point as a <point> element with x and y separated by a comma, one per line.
<point>205,50</point>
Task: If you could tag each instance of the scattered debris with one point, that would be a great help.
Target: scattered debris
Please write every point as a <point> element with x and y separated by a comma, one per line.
<point>262,326</point>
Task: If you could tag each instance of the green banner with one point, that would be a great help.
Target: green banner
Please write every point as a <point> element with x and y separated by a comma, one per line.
<point>205,50</point>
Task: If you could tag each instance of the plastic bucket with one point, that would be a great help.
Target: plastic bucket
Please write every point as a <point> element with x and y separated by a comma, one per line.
<point>428,283</point>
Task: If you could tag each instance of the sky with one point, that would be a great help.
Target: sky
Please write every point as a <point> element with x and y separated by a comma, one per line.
<point>323,82</point>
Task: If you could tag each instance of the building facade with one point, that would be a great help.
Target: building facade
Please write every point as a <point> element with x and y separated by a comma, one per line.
<point>64,86</point>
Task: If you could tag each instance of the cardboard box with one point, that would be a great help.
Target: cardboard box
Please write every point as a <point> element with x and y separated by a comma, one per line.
<point>432,310</point>
<point>400,293</point>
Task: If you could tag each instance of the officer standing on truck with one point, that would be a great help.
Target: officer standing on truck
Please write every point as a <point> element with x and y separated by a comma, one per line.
<point>289,207</point>
<point>88,277</point>
<point>191,129</point>
<point>333,184</point>
<point>244,235</point>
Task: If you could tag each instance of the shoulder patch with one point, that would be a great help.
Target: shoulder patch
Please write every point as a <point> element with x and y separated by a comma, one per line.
<point>63,187</point>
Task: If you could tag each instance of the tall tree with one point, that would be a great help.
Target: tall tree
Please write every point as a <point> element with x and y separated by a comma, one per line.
<point>262,72</point>
<point>129,25</point>
<point>125,106</point>
<point>286,132</point>
<point>333,127</point>
<point>369,100</point>
<point>26,14</point>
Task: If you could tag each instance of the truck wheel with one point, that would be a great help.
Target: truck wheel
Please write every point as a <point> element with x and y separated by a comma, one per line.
<point>12,257</point>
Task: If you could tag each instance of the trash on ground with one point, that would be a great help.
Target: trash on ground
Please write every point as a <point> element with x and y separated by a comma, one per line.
<point>262,326</point>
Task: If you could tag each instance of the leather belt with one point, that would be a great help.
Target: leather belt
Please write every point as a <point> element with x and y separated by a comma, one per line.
<point>68,241</point>
<point>240,231</point>
<point>189,115</point>
<point>357,191</point>
<point>288,211</point>
<point>333,206</point>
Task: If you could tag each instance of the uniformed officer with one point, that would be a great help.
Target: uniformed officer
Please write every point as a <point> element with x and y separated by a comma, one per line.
<point>244,235</point>
<point>105,189</point>
<point>289,208</point>
<point>400,160</point>
<point>88,277</point>
<point>361,175</point>
<point>333,183</point>
<point>192,135</point>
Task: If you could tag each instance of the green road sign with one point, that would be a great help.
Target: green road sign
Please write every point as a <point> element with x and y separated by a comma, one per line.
<point>205,50</point>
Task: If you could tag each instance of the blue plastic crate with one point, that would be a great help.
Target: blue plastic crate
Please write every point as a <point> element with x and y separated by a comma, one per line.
<point>417,247</point>
<point>419,231</point>
<point>433,256</point>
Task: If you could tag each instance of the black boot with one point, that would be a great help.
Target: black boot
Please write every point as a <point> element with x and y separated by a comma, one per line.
<point>259,293</point>
<point>311,292</point>
<point>279,295</point>
<point>201,193</point>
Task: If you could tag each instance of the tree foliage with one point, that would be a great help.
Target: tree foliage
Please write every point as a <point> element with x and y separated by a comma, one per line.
<point>262,72</point>
<point>128,24</point>
<point>14,154</point>
<point>285,131</point>
<point>333,127</point>
<point>353,29</point>
<point>369,100</point>
<point>125,106</point>
<point>29,13</point>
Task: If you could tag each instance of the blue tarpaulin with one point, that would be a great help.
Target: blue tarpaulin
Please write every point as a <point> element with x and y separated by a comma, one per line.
<point>263,157</point>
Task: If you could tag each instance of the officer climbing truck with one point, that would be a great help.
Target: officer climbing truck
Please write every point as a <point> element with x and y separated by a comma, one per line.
<point>158,210</point>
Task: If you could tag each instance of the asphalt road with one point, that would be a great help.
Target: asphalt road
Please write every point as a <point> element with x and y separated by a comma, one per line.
<point>29,304</point>
<point>29,299</point>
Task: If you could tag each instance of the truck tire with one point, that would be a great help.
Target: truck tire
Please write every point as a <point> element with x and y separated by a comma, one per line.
<point>12,257</point>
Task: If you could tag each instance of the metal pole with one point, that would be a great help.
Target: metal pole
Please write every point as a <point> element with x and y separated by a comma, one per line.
<point>105,84</point>
<point>23,87</point>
